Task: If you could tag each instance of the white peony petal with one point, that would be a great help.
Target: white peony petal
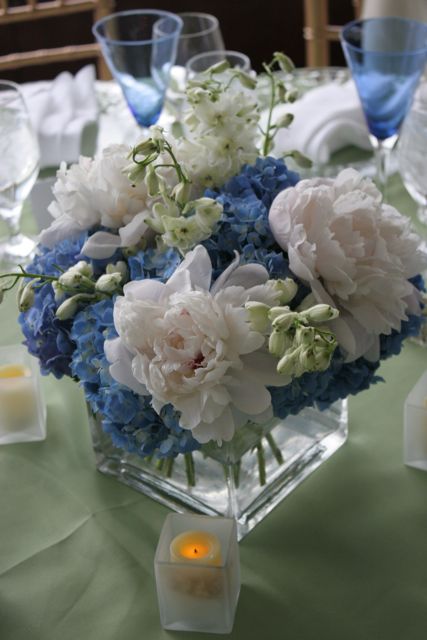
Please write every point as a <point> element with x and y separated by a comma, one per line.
<point>194,272</point>
<point>61,228</point>
<point>248,395</point>
<point>144,290</point>
<point>132,233</point>
<point>101,245</point>
<point>121,365</point>
<point>222,429</point>
<point>246,276</point>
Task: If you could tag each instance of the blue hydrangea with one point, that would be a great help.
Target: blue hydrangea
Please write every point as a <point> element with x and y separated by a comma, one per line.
<point>46,337</point>
<point>127,417</point>
<point>155,264</point>
<point>244,226</point>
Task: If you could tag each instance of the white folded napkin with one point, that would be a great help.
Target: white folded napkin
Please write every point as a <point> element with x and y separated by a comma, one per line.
<point>63,112</point>
<point>327,119</point>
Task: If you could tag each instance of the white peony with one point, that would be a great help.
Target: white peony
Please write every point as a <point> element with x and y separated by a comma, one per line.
<point>192,346</point>
<point>98,192</point>
<point>355,253</point>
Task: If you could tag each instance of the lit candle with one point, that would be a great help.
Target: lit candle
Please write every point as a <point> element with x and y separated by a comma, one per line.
<point>18,403</point>
<point>197,573</point>
<point>196,547</point>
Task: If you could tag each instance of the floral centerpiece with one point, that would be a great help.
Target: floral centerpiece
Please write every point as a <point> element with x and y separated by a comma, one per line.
<point>201,293</point>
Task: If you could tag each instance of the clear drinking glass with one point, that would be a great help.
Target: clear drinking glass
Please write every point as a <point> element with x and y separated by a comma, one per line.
<point>411,153</point>
<point>200,33</point>
<point>202,61</point>
<point>386,57</point>
<point>140,57</point>
<point>19,168</point>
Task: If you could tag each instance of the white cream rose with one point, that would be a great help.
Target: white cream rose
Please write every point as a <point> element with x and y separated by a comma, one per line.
<point>355,252</point>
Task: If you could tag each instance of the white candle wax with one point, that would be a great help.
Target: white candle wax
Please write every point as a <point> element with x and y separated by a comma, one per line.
<point>18,403</point>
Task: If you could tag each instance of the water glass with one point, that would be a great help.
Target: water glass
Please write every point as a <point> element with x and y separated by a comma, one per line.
<point>386,57</point>
<point>202,61</point>
<point>411,153</point>
<point>140,49</point>
<point>200,33</point>
<point>19,167</point>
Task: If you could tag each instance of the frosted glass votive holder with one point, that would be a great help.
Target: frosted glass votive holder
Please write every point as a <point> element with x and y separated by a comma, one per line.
<point>415,426</point>
<point>22,408</point>
<point>198,596</point>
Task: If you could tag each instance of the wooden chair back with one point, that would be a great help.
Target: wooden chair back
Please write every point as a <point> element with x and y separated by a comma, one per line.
<point>318,33</point>
<point>33,10</point>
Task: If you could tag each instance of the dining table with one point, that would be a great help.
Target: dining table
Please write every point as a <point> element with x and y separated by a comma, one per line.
<point>343,557</point>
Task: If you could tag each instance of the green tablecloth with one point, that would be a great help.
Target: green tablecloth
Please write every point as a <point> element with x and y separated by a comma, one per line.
<point>344,557</point>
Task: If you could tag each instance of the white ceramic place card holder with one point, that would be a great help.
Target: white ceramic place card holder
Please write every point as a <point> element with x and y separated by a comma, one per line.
<point>415,426</point>
<point>197,573</point>
<point>22,409</point>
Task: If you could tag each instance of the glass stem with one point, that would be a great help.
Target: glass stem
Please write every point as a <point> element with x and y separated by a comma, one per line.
<point>382,151</point>
<point>12,220</point>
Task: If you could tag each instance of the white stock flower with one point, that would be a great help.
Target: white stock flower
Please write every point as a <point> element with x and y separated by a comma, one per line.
<point>221,134</point>
<point>98,192</point>
<point>192,346</point>
<point>355,252</point>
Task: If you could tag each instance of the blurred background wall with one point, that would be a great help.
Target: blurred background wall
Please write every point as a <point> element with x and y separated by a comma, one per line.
<point>255,27</point>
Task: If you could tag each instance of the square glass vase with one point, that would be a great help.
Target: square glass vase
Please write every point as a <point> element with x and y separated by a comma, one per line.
<point>243,479</point>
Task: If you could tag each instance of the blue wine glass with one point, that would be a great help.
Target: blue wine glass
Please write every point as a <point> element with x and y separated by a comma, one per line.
<point>140,59</point>
<point>386,57</point>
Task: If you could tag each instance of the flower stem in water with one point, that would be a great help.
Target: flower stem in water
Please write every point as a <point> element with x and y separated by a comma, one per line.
<point>261,463</point>
<point>274,448</point>
<point>189,469</point>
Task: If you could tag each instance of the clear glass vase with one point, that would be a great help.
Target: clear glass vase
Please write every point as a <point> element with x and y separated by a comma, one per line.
<point>245,478</point>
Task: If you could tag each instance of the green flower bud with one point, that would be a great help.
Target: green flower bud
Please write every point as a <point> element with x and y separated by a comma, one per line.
<point>286,365</point>
<point>68,308</point>
<point>277,343</point>
<point>181,192</point>
<point>291,95</point>
<point>322,358</point>
<point>286,289</point>
<point>283,61</point>
<point>121,268</point>
<point>246,80</point>
<point>58,291</point>
<point>135,172</point>
<point>108,283</point>
<point>26,297</point>
<point>219,67</point>
<point>258,315</point>
<point>85,268</point>
<point>283,320</point>
<point>152,182</point>
<point>284,121</point>
<point>320,313</point>
<point>307,360</point>
<point>145,148</point>
<point>157,135</point>
<point>300,159</point>
<point>307,302</point>
<point>305,335</point>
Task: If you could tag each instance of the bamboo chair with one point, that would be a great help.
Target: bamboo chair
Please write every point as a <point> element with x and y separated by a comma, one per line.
<point>318,33</point>
<point>34,10</point>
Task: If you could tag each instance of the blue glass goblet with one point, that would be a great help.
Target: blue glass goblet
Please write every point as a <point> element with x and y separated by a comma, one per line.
<point>386,57</point>
<point>139,59</point>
